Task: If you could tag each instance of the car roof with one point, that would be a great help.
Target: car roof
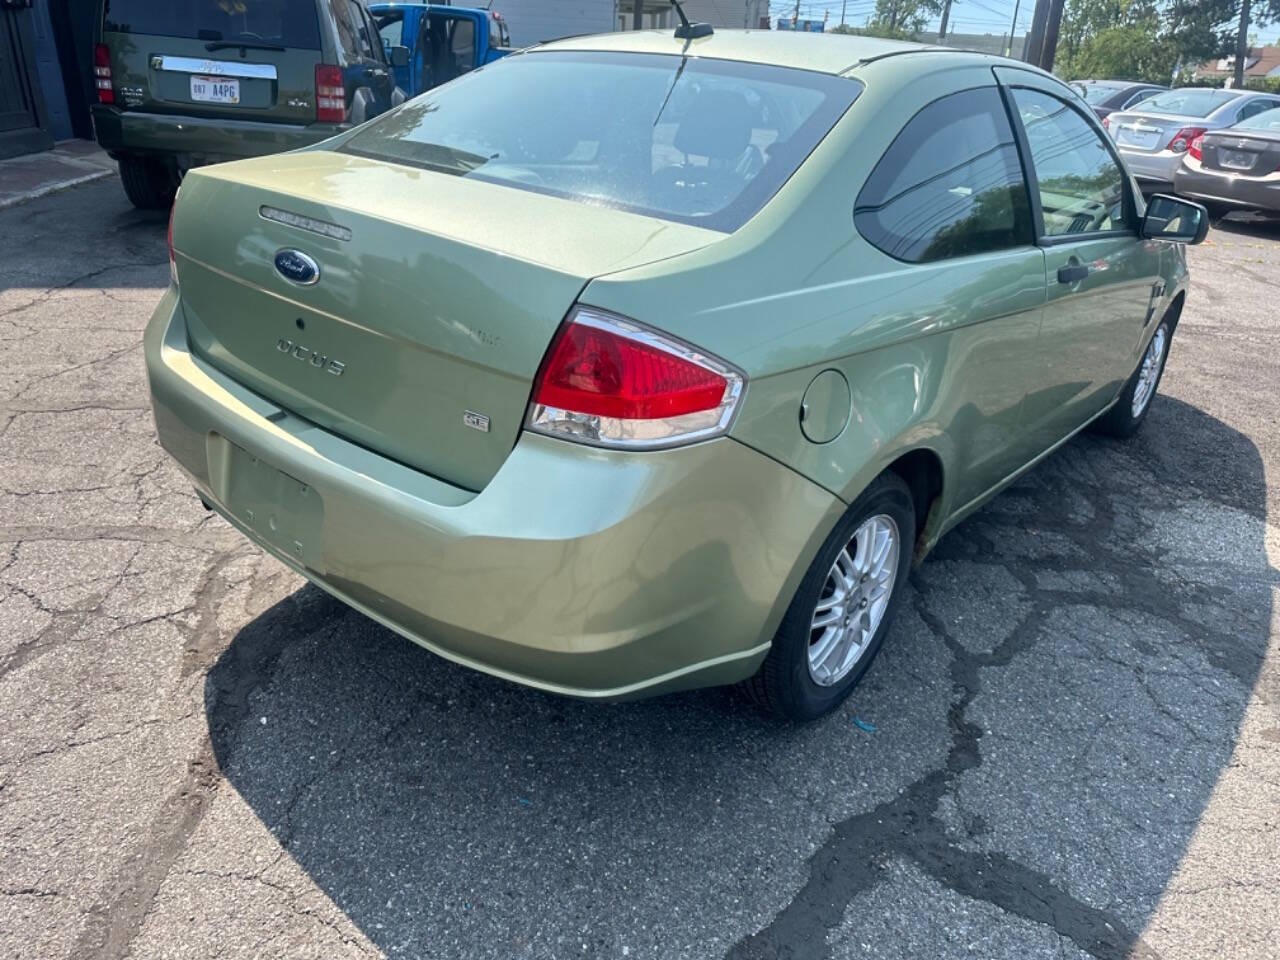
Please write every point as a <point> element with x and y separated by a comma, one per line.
<point>833,53</point>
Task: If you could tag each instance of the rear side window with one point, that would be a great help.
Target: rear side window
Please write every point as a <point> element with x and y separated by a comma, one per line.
<point>287,23</point>
<point>950,184</point>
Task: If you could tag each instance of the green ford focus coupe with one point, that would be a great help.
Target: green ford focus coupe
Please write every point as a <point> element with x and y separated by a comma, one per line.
<point>631,363</point>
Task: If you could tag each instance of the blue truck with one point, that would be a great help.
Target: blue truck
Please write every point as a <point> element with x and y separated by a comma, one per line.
<point>443,41</point>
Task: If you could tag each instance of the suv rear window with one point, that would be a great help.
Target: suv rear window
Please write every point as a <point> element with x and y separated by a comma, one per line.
<point>696,140</point>
<point>288,23</point>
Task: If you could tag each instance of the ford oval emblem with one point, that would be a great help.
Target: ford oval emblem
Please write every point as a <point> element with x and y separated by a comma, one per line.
<point>296,267</point>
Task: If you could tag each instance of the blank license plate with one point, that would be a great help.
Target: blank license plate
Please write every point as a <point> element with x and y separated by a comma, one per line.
<point>285,512</point>
<point>215,90</point>
<point>1235,159</point>
<point>1137,138</point>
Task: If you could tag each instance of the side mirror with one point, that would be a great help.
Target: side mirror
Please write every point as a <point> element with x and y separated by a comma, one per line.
<point>1170,218</point>
<point>399,56</point>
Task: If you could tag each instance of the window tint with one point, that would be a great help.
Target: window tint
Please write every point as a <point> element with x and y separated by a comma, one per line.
<point>1266,120</point>
<point>1139,97</point>
<point>1188,102</point>
<point>1255,107</point>
<point>1081,186</point>
<point>949,185</point>
<point>346,27</point>
<point>390,28</point>
<point>364,42</point>
<point>289,23</point>
<point>698,141</point>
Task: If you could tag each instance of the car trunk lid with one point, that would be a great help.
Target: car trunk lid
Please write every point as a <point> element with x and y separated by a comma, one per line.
<point>1146,132</point>
<point>1242,153</point>
<point>435,300</point>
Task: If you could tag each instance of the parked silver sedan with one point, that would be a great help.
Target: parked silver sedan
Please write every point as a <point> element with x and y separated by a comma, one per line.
<point>1235,169</point>
<point>1154,138</point>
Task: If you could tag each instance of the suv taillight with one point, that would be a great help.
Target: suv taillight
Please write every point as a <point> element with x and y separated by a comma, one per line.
<point>1196,147</point>
<point>102,73</point>
<point>331,94</point>
<point>610,382</point>
<point>1182,139</point>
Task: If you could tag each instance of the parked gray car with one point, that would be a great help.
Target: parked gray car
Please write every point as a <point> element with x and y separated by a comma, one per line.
<point>1235,169</point>
<point>1154,138</point>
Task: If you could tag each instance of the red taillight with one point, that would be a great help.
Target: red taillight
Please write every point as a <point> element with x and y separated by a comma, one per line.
<point>1106,123</point>
<point>331,94</point>
<point>102,73</point>
<point>1182,139</point>
<point>1196,148</point>
<point>609,381</point>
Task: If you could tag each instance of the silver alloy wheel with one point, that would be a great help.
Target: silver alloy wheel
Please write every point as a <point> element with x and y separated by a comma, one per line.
<point>1149,374</point>
<point>853,600</point>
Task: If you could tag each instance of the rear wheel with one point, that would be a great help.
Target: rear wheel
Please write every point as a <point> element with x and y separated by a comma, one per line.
<point>1124,419</point>
<point>147,182</point>
<point>843,607</point>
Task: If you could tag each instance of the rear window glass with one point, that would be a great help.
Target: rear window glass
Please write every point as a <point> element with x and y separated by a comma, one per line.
<point>1187,103</point>
<point>697,141</point>
<point>285,23</point>
<point>1095,92</point>
<point>1266,120</point>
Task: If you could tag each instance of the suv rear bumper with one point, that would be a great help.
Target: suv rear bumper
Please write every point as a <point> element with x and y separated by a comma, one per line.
<point>580,571</point>
<point>203,139</point>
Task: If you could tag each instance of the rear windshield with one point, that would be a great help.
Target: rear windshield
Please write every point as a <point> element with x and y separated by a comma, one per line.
<point>1096,92</point>
<point>285,23</point>
<point>698,141</point>
<point>1187,103</point>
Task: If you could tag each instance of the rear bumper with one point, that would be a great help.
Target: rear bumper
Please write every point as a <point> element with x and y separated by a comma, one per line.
<point>202,139</point>
<point>1245,192</point>
<point>1153,169</point>
<point>579,571</point>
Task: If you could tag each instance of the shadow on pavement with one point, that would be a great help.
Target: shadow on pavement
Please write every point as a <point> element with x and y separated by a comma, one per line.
<point>1052,711</point>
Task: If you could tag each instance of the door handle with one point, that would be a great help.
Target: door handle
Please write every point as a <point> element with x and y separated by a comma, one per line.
<point>1073,273</point>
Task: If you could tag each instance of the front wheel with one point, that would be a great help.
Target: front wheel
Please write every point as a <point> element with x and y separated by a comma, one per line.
<point>839,616</point>
<point>1124,419</point>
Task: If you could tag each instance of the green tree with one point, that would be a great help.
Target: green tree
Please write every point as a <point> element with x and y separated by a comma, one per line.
<point>903,19</point>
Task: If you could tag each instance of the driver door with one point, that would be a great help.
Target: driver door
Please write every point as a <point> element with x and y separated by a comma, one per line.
<point>1101,275</point>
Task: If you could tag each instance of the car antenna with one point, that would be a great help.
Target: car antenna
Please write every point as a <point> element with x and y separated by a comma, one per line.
<point>687,30</point>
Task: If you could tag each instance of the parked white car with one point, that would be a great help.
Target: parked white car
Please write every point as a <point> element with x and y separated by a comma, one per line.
<point>1154,138</point>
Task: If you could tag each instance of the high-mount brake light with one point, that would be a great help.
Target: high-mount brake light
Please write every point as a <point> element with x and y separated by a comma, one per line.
<point>611,382</point>
<point>102,73</point>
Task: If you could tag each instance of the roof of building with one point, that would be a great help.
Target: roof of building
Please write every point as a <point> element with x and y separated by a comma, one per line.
<point>821,52</point>
<point>1259,62</point>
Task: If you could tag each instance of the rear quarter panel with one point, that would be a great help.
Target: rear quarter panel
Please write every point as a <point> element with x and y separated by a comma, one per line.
<point>797,290</point>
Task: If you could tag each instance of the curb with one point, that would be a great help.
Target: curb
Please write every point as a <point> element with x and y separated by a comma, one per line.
<point>54,187</point>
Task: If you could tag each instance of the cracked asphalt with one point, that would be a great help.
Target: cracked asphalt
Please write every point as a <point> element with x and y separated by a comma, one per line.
<point>1076,746</point>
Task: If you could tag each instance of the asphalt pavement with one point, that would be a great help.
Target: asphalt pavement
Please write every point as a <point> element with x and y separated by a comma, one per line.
<point>1069,747</point>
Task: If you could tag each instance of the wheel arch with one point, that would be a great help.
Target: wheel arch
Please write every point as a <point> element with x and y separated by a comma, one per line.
<point>922,470</point>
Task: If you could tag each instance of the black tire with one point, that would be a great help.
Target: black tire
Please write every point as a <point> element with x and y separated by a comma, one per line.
<point>147,182</point>
<point>1120,421</point>
<point>784,685</point>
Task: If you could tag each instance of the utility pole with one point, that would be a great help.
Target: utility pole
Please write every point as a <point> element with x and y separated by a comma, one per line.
<point>1035,36</point>
<point>844,5</point>
<point>1013,29</point>
<point>1053,22</point>
<point>1242,45</point>
<point>795,24</point>
<point>942,31</point>
<point>638,15</point>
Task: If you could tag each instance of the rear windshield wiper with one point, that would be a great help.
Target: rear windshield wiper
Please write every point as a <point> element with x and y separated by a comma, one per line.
<point>247,44</point>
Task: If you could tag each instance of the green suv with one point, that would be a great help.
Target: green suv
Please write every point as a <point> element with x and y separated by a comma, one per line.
<point>627,364</point>
<point>188,82</point>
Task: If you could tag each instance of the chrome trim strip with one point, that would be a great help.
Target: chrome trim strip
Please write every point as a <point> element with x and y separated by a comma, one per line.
<point>215,68</point>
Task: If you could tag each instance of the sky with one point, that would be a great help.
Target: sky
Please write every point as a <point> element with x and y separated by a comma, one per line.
<point>968,16</point>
